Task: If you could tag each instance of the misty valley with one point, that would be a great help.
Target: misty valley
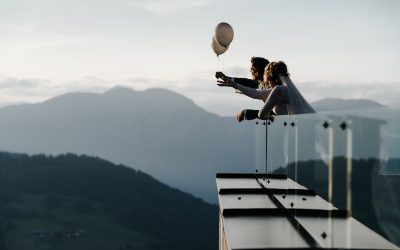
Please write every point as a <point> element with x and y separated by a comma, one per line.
<point>117,171</point>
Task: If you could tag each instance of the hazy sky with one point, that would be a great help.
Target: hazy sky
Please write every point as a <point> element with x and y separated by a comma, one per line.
<point>346,49</point>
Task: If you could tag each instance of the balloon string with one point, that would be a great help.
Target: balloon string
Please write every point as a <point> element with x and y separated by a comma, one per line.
<point>221,64</point>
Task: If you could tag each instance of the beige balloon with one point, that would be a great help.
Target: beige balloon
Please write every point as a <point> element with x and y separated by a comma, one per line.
<point>224,34</point>
<point>217,48</point>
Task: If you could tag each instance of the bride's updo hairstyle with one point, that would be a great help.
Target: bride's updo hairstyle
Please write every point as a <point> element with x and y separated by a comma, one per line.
<point>273,71</point>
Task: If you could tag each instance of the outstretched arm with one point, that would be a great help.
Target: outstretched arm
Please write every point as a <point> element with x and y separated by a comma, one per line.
<point>254,93</point>
<point>243,81</point>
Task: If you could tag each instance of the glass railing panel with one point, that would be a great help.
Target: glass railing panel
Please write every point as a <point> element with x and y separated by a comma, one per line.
<point>374,169</point>
<point>350,158</point>
<point>260,140</point>
<point>312,149</point>
<point>311,164</point>
<point>278,140</point>
<point>338,159</point>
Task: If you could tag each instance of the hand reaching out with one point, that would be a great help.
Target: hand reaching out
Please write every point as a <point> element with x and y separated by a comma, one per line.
<point>227,82</point>
<point>224,81</point>
<point>240,116</point>
<point>219,74</point>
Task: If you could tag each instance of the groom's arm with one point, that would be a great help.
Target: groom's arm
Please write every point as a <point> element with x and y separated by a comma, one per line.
<point>246,82</point>
<point>243,81</point>
<point>251,114</point>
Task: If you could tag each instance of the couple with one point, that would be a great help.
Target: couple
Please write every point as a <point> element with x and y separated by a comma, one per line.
<point>275,88</point>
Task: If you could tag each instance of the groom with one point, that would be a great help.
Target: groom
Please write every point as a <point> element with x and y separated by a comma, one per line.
<point>258,65</point>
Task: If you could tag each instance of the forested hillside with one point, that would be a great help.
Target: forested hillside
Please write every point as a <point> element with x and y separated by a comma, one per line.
<point>82,202</point>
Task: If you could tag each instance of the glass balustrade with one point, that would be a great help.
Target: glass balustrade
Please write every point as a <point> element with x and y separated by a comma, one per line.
<point>350,158</point>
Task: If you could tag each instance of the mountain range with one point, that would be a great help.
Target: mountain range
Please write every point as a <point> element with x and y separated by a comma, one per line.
<point>330,104</point>
<point>157,131</point>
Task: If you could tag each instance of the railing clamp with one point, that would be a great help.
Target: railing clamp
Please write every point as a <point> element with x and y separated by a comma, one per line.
<point>343,125</point>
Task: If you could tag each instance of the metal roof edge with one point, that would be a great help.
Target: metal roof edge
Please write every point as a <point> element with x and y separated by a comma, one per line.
<point>320,213</point>
<point>250,175</point>
<point>303,192</point>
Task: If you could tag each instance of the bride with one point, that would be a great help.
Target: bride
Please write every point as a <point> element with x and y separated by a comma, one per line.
<point>277,91</point>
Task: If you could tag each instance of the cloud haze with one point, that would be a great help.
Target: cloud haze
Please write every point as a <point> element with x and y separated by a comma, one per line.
<point>333,49</point>
<point>18,84</point>
<point>160,7</point>
<point>203,91</point>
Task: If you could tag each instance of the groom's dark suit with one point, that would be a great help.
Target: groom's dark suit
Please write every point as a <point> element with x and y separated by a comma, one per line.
<point>247,82</point>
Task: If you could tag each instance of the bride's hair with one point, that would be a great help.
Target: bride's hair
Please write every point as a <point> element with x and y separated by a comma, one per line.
<point>273,71</point>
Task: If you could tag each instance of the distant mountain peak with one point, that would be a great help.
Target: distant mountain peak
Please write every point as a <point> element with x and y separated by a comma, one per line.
<point>118,89</point>
<point>124,90</point>
<point>330,104</point>
<point>159,131</point>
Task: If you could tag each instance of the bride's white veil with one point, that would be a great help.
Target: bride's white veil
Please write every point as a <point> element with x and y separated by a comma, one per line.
<point>297,103</point>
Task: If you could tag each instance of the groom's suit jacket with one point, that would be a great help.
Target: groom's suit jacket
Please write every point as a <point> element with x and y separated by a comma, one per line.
<point>247,82</point>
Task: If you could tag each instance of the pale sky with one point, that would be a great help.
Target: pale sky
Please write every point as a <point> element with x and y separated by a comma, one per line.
<point>341,48</point>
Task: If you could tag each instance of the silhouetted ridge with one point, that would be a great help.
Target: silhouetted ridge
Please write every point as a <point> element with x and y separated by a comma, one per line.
<point>157,131</point>
<point>118,90</point>
<point>131,198</point>
<point>329,104</point>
